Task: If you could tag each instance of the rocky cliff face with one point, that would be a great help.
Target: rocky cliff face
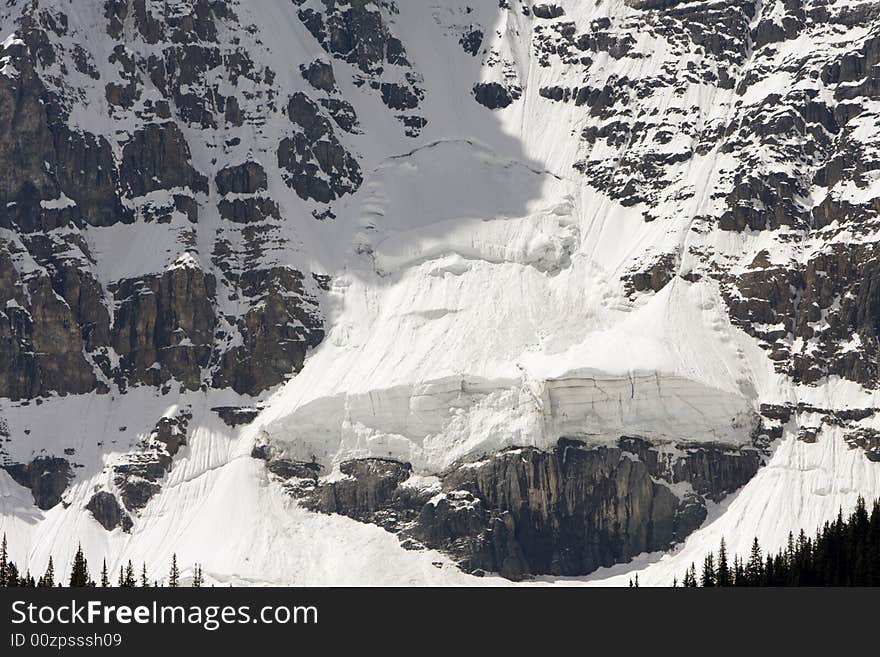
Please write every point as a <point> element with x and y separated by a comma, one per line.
<point>71,328</point>
<point>528,512</point>
<point>470,243</point>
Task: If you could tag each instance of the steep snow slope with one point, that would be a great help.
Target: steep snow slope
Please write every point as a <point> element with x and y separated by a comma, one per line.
<point>639,230</point>
<point>485,282</point>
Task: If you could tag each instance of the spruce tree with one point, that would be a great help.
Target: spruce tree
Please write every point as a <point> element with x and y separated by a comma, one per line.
<point>12,579</point>
<point>130,581</point>
<point>739,573</point>
<point>198,580</point>
<point>755,566</point>
<point>708,578</point>
<point>4,562</point>
<point>145,582</point>
<point>105,580</point>
<point>174,575</point>
<point>873,552</point>
<point>48,578</point>
<point>690,577</point>
<point>723,576</point>
<point>780,570</point>
<point>121,581</point>
<point>79,574</point>
<point>769,572</point>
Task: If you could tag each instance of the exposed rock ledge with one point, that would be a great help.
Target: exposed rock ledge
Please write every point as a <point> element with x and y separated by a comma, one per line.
<point>522,512</point>
<point>46,476</point>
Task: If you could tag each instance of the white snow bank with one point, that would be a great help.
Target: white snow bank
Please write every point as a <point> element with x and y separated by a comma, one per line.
<point>435,423</point>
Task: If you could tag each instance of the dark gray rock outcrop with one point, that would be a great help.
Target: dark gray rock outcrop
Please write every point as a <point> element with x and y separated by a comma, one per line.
<point>138,477</point>
<point>277,332</point>
<point>653,4</point>
<point>840,286</point>
<point>316,165</point>
<point>548,11</point>
<point>247,178</point>
<point>46,476</point>
<point>158,157</point>
<point>494,95</point>
<point>320,75</point>
<point>526,511</point>
<point>166,320</point>
<point>106,510</point>
<point>234,416</point>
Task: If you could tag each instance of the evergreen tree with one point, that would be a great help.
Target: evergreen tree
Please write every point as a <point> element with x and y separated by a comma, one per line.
<point>739,573</point>
<point>198,580</point>
<point>174,575</point>
<point>755,566</point>
<point>708,578</point>
<point>769,571</point>
<point>12,579</point>
<point>105,580</point>
<point>792,561</point>
<point>121,581</point>
<point>723,577</point>
<point>780,570</point>
<point>873,549</point>
<point>79,574</point>
<point>690,577</point>
<point>130,581</point>
<point>48,578</point>
<point>9,575</point>
<point>4,562</point>
<point>145,583</point>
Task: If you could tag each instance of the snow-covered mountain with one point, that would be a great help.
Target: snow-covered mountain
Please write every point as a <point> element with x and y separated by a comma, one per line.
<point>408,292</point>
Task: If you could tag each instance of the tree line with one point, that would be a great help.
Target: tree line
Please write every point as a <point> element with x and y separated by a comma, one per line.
<point>10,576</point>
<point>845,552</point>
